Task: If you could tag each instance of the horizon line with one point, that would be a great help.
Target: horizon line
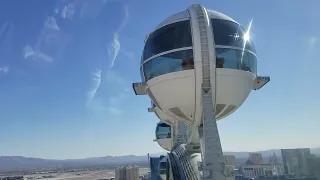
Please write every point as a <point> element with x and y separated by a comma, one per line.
<point>150,154</point>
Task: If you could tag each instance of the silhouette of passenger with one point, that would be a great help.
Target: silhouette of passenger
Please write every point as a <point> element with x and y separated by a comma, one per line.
<point>219,62</point>
<point>187,63</point>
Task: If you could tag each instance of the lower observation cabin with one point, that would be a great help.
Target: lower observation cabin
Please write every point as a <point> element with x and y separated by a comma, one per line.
<point>164,136</point>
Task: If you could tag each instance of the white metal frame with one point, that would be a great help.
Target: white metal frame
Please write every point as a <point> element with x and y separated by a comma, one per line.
<point>164,53</point>
<point>168,23</point>
<point>236,48</point>
<point>212,156</point>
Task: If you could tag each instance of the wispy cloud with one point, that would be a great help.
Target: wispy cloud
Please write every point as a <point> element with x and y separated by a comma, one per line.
<point>113,51</point>
<point>126,89</point>
<point>114,77</point>
<point>128,54</point>
<point>308,55</point>
<point>98,106</point>
<point>310,48</point>
<point>312,42</point>
<point>116,100</point>
<point>114,111</point>
<point>110,76</point>
<point>112,104</point>
<point>4,69</point>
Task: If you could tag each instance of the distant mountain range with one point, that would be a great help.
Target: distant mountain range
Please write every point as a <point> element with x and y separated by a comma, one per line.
<point>15,163</point>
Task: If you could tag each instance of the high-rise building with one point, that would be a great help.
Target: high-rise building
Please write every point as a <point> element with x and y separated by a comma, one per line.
<point>154,167</point>
<point>278,169</point>
<point>295,161</point>
<point>273,159</point>
<point>230,160</point>
<point>314,166</point>
<point>255,158</point>
<point>127,173</point>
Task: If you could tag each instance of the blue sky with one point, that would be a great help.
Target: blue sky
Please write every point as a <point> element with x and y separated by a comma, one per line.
<point>283,114</point>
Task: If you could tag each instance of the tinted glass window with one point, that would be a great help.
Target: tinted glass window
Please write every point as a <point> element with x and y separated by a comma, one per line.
<point>172,36</point>
<point>228,33</point>
<point>141,73</point>
<point>168,63</point>
<point>235,59</point>
<point>163,131</point>
<point>162,165</point>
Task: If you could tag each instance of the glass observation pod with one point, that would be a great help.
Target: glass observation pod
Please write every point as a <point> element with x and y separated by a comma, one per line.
<point>171,65</point>
<point>163,135</point>
<point>161,115</point>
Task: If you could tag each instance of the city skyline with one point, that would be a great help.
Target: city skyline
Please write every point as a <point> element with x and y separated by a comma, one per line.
<point>240,154</point>
<point>281,115</point>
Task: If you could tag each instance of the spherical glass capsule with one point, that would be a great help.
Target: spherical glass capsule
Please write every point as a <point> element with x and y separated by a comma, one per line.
<point>164,136</point>
<point>172,65</point>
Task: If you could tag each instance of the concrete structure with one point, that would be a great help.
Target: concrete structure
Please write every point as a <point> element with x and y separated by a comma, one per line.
<point>273,159</point>
<point>230,160</point>
<point>162,169</point>
<point>255,158</point>
<point>295,161</point>
<point>314,166</point>
<point>127,173</point>
<point>278,168</point>
<point>229,171</point>
<point>254,171</point>
<point>154,168</point>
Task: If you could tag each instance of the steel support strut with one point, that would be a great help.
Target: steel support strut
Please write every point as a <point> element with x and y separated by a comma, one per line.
<point>212,164</point>
<point>212,156</point>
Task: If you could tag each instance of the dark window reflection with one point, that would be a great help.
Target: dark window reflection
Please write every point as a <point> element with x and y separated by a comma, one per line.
<point>228,33</point>
<point>163,131</point>
<point>163,166</point>
<point>172,36</point>
<point>234,59</point>
<point>168,63</point>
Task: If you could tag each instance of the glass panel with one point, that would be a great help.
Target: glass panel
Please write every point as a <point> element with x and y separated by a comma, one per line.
<point>163,165</point>
<point>141,74</point>
<point>234,59</point>
<point>172,36</point>
<point>228,33</point>
<point>168,63</point>
<point>163,131</point>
